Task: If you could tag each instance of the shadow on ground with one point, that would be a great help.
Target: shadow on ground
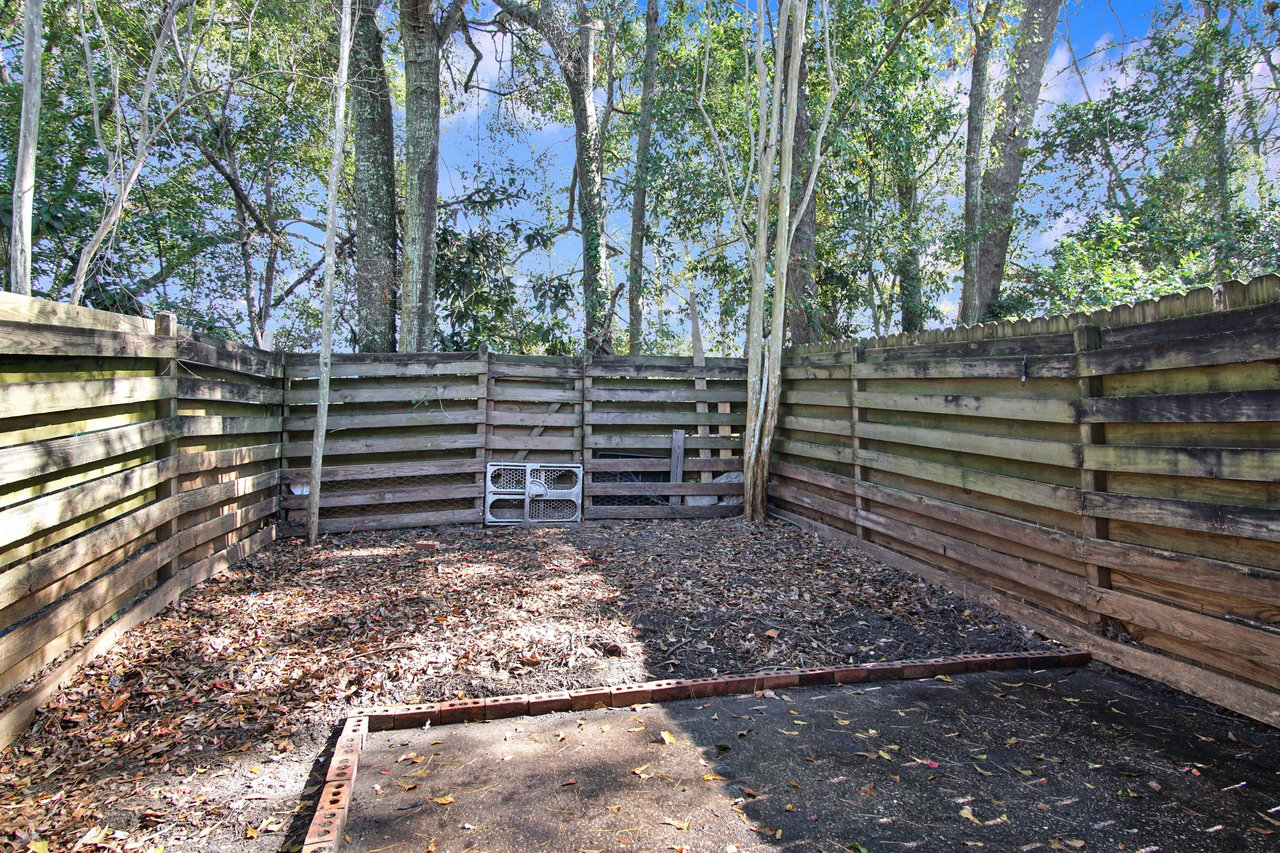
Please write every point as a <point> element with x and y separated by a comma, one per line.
<point>1054,760</point>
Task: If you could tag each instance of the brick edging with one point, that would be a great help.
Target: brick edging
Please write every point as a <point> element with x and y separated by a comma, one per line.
<point>325,832</point>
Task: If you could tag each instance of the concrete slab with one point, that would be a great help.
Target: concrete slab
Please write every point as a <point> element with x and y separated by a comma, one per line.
<point>1057,760</point>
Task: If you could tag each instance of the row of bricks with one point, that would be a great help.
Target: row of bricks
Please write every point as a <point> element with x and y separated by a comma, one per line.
<point>621,696</point>
<point>325,832</point>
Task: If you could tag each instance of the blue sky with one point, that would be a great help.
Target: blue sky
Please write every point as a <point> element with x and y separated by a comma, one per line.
<point>466,143</point>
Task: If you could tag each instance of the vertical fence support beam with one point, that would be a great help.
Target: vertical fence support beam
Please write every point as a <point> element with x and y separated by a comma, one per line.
<point>1088,337</point>
<point>483,430</point>
<point>167,410</point>
<point>857,415</point>
<point>587,476</point>
<point>677,462</point>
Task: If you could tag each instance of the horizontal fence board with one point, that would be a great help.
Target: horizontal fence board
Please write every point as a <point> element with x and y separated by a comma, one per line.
<point>29,519</point>
<point>830,426</point>
<point>511,393</point>
<point>598,417</point>
<point>1008,408</point>
<point>42,341</point>
<point>339,473</point>
<point>649,489</point>
<point>499,417</point>
<point>1049,344</point>
<point>190,388</point>
<point>387,495</point>
<point>733,463</point>
<point>674,512</point>
<point>1046,495</point>
<point>1258,643</point>
<point>1196,325</point>
<point>374,445</point>
<point>387,420</point>
<point>657,442</point>
<point>1021,449</point>
<point>26,309</point>
<point>1189,569</point>
<point>1229,463</point>
<point>1244,521</point>
<point>226,355</point>
<point>498,441</point>
<point>1210,407</point>
<point>834,398</point>
<point>395,521</point>
<point>24,461</point>
<point>1204,351</point>
<point>33,398</point>
<point>996,367</point>
<point>410,394</point>
<point>195,425</point>
<point>664,394</point>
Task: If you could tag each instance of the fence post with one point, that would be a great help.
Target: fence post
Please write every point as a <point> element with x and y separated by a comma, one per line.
<point>1088,337</point>
<point>857,416</point>
<point>587,475</point>
<point>167,410</point>
<point>483,429</point>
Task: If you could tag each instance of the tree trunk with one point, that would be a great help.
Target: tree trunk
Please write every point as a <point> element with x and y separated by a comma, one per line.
<point>337,155</point>
<point>635,267</point>
<point>910,292</point>
<point>24,178</point>
<point>1009,143</point>
<point>575,49</point>
<point>756,477</point>
<point>374,186</point>
<point>1218,179</point>
<point>806,321</point>
<point>422,45</point>
<point>984,32</point>
<point>578,73</point>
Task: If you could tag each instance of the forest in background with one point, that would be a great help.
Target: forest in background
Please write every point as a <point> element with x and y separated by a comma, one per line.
<point>563,174</point>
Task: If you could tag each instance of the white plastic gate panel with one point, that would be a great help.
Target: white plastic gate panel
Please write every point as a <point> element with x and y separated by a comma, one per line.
<point>532,492</point>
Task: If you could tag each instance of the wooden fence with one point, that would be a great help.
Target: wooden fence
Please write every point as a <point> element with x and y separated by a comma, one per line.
<point>135,456</point>
<point>409,435</point>
<point>1111,479</point>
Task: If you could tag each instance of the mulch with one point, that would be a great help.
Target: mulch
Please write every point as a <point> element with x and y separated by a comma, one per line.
<point>202,728</point>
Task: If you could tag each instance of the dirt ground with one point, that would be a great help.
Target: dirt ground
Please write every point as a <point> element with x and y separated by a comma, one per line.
<point>1011,761</point>
<point>204,728</point>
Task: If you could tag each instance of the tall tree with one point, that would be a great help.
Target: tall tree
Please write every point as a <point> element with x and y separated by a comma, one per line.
<point>425,30</point>
<point>984,36</point>
<point>635,265</point>
<point>910,278</point>
<point>570,33</point>
<point>336,159</point>
<point>374,177</point>
<point>1009,148</point>
<point>807,321</point>
<point>24,177</point>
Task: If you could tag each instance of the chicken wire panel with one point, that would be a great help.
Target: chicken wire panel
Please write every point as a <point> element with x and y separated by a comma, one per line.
<point>556,509</point>
<point>558,478</point>
<point>508,478</point>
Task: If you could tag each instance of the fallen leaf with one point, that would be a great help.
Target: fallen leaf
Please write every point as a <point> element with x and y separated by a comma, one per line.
<point>443,801</point>
<point>668,738</point>
<point>681,825</point>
